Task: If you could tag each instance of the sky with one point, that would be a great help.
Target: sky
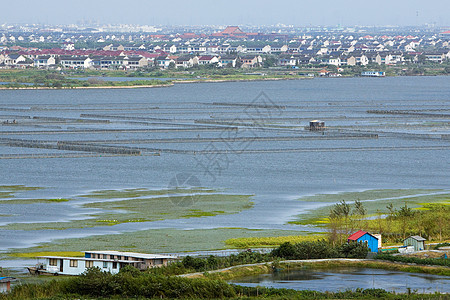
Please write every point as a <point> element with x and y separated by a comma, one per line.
<point>230,12</point>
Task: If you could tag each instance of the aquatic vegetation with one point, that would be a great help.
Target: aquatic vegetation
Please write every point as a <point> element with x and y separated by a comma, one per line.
<point>270,241</point>
<point>142,205</point>
<point>157,240</point>
<point>9,191</point>
<point>32,200</point>
<point>137,192</point>
<point>48,253</point>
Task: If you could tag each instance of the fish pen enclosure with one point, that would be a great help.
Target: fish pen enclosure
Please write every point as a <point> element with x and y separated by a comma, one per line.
<point>97,148</point>
<point>70,146</point>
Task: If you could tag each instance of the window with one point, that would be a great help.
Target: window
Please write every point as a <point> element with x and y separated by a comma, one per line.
<point>53,262</point>
<point>105,264</point>
<point>114,265</point>
<point>89,264</point>
<point>73,263</point>
<point>125,258</point>
<point>105,256</point>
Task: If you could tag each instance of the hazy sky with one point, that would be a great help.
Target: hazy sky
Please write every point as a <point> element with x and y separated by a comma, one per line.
<point>219,12</point>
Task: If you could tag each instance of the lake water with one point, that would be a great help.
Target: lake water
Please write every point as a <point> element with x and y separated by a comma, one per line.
<point>334,280</point>
<point>409,152</point>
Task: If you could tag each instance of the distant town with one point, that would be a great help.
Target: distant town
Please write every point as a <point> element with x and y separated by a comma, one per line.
<point>126,47</point>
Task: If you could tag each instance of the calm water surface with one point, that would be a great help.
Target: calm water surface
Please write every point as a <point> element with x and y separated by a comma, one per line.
<point>334,280</point>
<point>276,179</point>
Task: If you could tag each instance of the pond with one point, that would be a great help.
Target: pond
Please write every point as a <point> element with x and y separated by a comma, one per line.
<point>334,280</point>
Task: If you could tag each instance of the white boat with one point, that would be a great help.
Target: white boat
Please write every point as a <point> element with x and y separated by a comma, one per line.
<point>373,74</point>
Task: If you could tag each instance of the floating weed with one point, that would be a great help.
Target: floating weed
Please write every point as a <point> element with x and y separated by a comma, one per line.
<point>47,253</point>
<point>270,241</point>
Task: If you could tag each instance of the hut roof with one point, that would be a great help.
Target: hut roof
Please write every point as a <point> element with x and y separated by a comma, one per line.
<point>418,238</point>
<point>357,235</point>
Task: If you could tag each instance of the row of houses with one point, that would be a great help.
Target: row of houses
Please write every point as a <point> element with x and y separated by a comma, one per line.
<point>338,58</point>
<point>135,59</point>
<point>126,62</point>
<point>188,61</point>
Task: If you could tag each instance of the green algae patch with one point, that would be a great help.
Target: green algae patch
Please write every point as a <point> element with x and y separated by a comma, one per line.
<point>48,253</point>
<point>135,193</point>
<point>31,201</point>
<point>158,240</point>
<point>272,241</point>
<point>19,188</point>
<point>148,209</point>
<point>9,191</point>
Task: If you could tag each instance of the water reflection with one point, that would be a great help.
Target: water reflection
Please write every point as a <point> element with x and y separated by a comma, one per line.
<point>349,278</point>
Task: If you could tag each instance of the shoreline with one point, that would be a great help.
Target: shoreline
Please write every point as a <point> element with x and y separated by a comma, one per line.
<point>177,81</point>
<point>88,87</point>
<point>173,83</point>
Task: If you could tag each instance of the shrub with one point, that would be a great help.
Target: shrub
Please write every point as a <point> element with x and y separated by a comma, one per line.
<point>415,260</point>
<point>320,249</point>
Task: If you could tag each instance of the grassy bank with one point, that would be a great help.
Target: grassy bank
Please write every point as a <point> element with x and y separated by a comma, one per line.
<point>375,201</point>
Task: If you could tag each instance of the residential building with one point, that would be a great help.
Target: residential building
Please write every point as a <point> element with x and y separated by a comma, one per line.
<point>228,60</point>
<point>250,61</point>
<point>74,62</point>
<point>44,61</point>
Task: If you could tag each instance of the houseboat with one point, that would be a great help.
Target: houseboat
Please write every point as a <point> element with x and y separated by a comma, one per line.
<point>316,125</point>
<point>110,261</point>
<point>373,74</point>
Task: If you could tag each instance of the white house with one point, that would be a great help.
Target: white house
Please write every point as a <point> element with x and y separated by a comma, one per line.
<point>164,62</point>
<point>186,61</point>
<point>44,61</point>
<point>136,62</point>
<point>228,60</point>
<point>13,59</point>
<point>287,60</point>
<point>74,62</point>
<point>207,59</point>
